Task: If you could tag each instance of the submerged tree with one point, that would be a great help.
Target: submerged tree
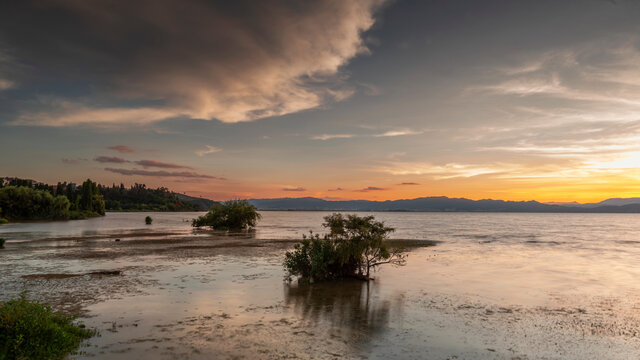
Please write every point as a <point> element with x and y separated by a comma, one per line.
<point>353,247</point>
<point>229,215</point>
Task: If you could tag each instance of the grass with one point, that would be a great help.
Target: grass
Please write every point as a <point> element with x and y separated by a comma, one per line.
<point>31,330</point>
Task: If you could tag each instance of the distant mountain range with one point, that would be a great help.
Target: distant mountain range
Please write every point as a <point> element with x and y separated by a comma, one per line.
<point>445,204</point>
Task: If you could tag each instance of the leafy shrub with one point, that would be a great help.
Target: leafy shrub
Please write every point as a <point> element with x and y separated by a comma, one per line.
<point>148,220</point>
<point>30,330</point>
<point>230,215</point>
<point>3,221</point>
<point>314,259</point>
<point>354,246</point>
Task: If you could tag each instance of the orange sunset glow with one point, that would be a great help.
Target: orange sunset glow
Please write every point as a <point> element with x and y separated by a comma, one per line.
<point>355,106</point>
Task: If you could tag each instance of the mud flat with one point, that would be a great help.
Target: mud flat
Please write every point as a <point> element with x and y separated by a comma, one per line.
<point>171,295</point>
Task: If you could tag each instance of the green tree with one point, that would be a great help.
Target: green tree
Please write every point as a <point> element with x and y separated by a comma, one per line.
<point>353,247</point>
<point>90,198</point>
<point>230,215</point>
<point>26,203</point>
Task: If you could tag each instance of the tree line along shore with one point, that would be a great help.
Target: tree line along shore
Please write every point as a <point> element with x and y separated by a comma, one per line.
<point>23,200</point>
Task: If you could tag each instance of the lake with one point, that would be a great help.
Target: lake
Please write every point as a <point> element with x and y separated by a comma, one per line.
<point>495,286</point>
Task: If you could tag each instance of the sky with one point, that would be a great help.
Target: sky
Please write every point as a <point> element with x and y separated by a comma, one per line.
<point>369,99</point>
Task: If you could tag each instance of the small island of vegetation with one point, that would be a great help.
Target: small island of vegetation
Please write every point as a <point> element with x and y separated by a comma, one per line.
<point>353,248</point>
<point>229,215</point>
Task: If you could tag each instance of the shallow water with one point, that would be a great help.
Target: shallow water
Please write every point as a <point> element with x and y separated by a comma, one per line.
<point>496,285</point>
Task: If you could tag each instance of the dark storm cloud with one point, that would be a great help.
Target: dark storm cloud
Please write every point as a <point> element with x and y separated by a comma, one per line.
<point>145,61</point>
<point>159,164</point>
<point>162,173</point>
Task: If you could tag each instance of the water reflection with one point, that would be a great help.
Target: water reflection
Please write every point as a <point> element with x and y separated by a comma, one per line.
<point>348,307</point>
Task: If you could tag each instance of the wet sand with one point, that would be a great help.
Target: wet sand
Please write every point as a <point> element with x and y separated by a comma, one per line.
<point>165,295</point>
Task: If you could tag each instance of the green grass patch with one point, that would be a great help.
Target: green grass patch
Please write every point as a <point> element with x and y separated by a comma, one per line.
<point>31,330</point>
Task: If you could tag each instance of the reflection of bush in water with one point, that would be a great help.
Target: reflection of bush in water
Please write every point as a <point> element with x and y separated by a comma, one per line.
<point>347,304</point>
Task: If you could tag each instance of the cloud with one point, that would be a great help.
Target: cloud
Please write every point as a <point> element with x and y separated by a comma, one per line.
<point>594,76</point>
<point>60,113</point>
<point>332,136</point>
<point>409,183</point>
<point>110,159</point>
<point>209,150</point>
<point>158,164</point>
<point>398,133</point>
<point>444,171</point>
<point>294,189</point>
<point>123,149</point>
<point>6,84</point>
<point>336,189</point>
<point>72,161</point>
<point>389,133</point>
<point>371,188</point>
<point>162,173</point>
<point>570,112</point>
<point>200,59</point>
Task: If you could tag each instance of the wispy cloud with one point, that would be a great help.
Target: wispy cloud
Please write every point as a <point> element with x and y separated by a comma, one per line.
<point>408,183</point>
<point>158,164</point>
<point>294,189</point>
<point>390,133</point>
<point>445,171</point>
<point>372,188</point>
<point>208,150</point>
<point>6,84</point>
<point>62,113</point>
<point>399,133</point>
<point>332,136</point>
<point>124,149</point>
<point>336,189</point>
<point>73,161</point>
<point>162,173</point>
<point>110,159</point>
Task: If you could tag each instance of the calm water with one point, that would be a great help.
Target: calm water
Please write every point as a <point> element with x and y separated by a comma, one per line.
<point>497,285</point>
